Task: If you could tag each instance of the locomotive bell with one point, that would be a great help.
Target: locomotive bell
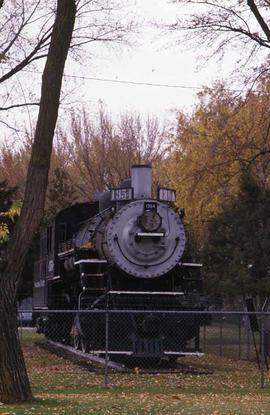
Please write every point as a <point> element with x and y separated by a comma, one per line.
<point>141,181</point>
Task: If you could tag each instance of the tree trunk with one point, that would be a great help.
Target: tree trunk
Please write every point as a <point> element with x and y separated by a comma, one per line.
<point>14,384</point>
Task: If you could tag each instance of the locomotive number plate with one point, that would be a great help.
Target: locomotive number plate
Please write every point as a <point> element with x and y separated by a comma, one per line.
<point>150,206</point>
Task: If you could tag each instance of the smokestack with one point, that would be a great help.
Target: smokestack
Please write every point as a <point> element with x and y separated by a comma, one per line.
<point>141,180</point>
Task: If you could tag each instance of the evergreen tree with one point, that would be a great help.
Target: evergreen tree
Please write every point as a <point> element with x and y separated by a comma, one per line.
<point>236,251</point>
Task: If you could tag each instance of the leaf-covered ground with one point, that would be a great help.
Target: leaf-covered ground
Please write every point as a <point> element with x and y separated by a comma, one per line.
<point>61,387</point>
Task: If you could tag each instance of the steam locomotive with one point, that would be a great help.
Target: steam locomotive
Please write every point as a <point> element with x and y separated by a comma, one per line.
<point>124,253</point>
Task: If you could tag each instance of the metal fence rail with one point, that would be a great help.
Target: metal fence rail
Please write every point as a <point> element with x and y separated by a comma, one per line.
<point>148,336</point>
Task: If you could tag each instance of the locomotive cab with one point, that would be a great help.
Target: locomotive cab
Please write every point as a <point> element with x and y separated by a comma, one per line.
<point>56,241</point>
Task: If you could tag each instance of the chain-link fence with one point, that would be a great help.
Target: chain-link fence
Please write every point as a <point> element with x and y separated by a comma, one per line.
<point>154,340</point>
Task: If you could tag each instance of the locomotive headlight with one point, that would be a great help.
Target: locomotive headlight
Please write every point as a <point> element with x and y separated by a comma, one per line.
<point>150,221</point>
<point>166,195</point>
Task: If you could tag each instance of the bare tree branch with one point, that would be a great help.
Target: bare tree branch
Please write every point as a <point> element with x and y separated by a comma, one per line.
<point>26,27</point>
<point>26,104</point>
<point>260,154</point>
<point>219,25</point>
<point>9,126</point>
<point>24,23</point>
<point>259,18</point>
<point>29,58</point>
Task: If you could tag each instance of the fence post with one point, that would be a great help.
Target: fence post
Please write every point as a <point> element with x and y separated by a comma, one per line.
<point>239,337</point>
<point>204,338</point>
<point>21,324</point>
<point>248,342</point>
<point>106,347</point>
<point>221,335</point>
<point>262,357</point>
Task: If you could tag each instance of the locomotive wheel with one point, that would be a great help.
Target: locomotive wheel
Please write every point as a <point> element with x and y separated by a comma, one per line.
<point>84,345</point>
<point>76,341</point>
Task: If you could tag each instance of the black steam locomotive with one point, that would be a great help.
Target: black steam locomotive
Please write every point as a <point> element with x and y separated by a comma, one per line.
<point>123,251</point>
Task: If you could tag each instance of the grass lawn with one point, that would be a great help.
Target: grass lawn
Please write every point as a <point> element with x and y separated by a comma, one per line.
<point>61,387</point>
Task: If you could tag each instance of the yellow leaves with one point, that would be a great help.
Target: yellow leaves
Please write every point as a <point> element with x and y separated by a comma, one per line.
<point>13,212</point>
<point>61,387</point>
<point>10,215</point>
<point>213,145</point>
<point>15,209</point>
<point>4,233</point>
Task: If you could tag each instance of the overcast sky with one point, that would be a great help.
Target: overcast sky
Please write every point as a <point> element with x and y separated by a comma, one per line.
<point>152,58</point>
<point>156,60</point>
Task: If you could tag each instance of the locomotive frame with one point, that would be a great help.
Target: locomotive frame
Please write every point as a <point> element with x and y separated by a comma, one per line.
<point>124,251</point>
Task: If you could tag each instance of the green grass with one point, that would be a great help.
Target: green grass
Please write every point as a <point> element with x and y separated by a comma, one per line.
<point>60,387</point>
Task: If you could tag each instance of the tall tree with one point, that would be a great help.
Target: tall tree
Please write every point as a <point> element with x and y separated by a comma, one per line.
<point>14,383</point>
<point>223,135</point>
<point>236,250</point>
